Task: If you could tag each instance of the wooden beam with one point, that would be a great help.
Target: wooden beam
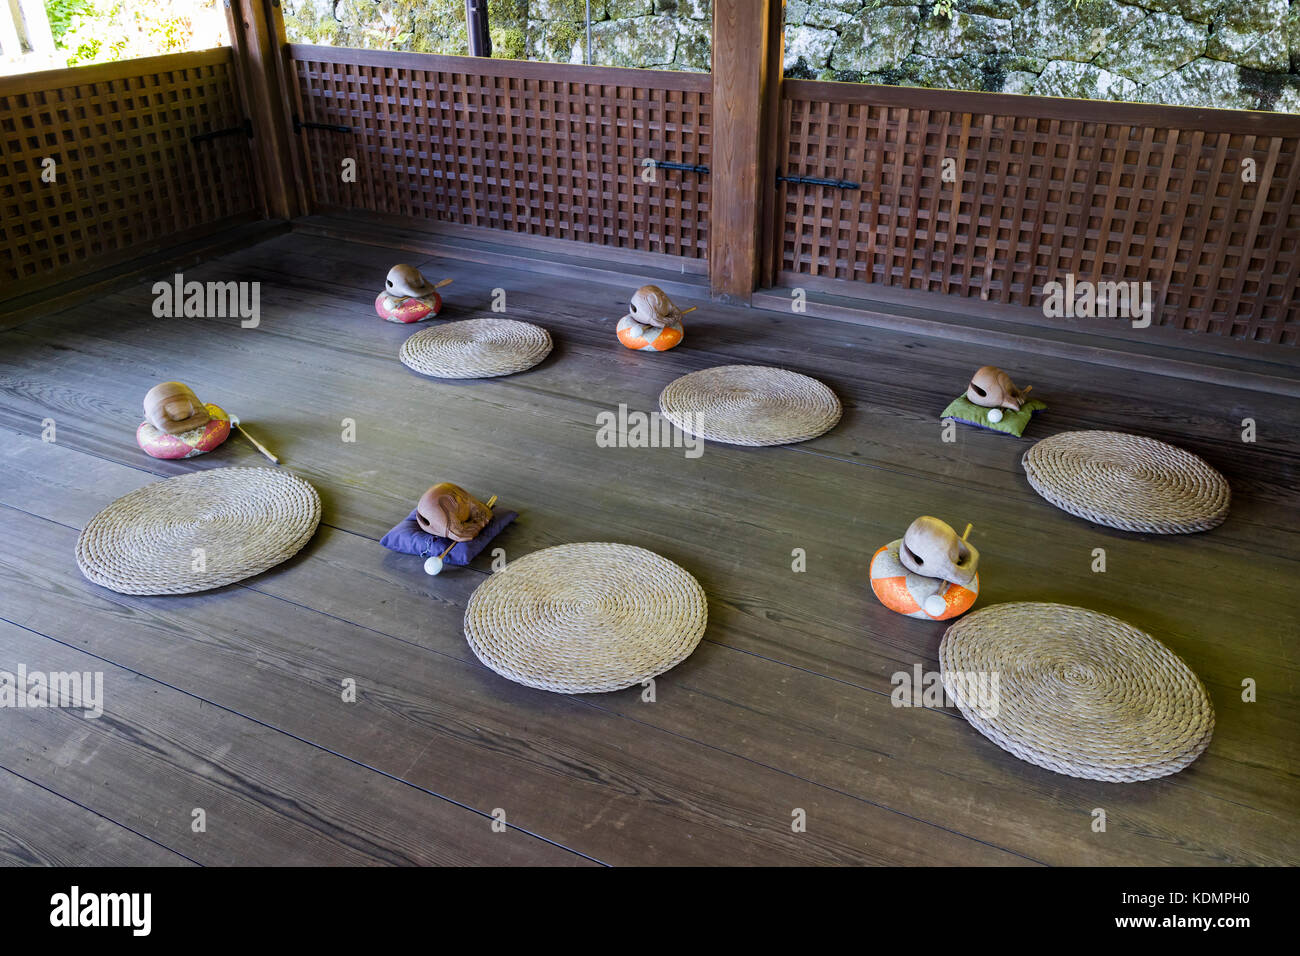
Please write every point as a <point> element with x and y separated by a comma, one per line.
<point>771,217</point>
<point>739,169</point>
<point>257,36</point>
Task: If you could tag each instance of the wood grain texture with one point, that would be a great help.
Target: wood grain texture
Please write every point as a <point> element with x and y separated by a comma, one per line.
<point>157,754</point>
<point>740,77</point>
<point>40,828</point>
<point>257,36</point>
<point>576,775</point>
<point>830,731</point>
<point>788,698</point>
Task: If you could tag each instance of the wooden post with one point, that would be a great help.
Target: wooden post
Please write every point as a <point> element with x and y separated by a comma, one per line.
<point>257,36</point>
<point>739,170</point>
<point>772,217</point>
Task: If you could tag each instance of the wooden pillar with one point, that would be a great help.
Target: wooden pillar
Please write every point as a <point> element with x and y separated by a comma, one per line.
<point>257,35</point>
<point>772,216</point>
<point>739,169</point>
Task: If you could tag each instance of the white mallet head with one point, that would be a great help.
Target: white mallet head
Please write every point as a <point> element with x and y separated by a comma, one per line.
<point>433,565</point>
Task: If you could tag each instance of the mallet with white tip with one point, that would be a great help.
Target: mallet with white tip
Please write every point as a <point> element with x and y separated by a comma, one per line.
<point>433,565</point>
<point>234,420</point>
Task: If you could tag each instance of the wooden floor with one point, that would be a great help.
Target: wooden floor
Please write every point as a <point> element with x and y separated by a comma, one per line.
<point>230,701</point>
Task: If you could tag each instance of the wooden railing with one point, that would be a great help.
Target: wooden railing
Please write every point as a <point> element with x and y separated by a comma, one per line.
<point>98,164</point>
<point>991,196</point>
<point>542,149</point>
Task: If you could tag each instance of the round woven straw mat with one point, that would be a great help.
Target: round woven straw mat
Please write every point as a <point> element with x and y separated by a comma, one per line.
<point>1077,692</point>
<point>750,405</point>
<point>586,618</point>
<point>1127,481</point>
<point>476,348</point>
<point>245,520</point>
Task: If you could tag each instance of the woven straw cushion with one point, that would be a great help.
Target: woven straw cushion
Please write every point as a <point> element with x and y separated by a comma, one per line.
<point>750,405</point>
<point>476,348</point>
<point>245,520</point>
<point>1078,692</point>
<point>1127,481</point>
<point>586,618</point>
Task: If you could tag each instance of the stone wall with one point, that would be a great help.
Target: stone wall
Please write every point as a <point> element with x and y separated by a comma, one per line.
<point>1232,54</point>
<point>664,34</point>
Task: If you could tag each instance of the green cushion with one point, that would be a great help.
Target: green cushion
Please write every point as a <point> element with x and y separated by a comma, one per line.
<point>1013,423</point>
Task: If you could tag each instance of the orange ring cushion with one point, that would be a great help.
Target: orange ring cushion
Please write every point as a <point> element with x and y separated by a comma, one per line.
<point>904,591</point>
<point>649,338</point>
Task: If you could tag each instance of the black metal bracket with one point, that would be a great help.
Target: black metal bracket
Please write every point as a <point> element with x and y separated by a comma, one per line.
<point>299,126</point>
<point>685,167</point>
<point>816,181</point>
<point>246,128</point>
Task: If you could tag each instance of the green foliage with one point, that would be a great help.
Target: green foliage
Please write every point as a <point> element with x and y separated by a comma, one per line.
<point>96,31</point>
<point>508,22</point>
<point>62,12</point>
<point>415,25</point>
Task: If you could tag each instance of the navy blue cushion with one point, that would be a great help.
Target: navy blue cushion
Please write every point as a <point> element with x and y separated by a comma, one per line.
<point>409,538</point>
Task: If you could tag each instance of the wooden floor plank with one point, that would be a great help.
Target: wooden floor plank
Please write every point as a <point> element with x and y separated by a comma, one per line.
<point>843,527</point>
<point>578,776</point>
<point>40,828</point>
<point>796,668</point>
<point>827,731</point>
<point>156,755</point>
<point>909,377</point>
<point>891,420</point>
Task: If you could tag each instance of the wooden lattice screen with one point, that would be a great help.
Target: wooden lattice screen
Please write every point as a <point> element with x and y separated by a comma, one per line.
<point>1204,204</point>
<point>542,149</point>
<point>126,177</point>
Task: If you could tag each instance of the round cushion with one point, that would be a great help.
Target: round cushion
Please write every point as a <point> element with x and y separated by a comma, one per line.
<point>750,405</point>
<point>205,529</point>
<point>196,441</point>
<point>407,308</point>
<point>1128,481</point>
<point>907,592</point>
<point>1078,692</point>
<point>586,618</point>
<point>648,337</point>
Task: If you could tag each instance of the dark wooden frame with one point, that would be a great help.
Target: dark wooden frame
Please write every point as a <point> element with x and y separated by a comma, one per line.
<point>1046,187</point>
<point>536,149</point>
<point>543,152</point>
<point>130,180</point>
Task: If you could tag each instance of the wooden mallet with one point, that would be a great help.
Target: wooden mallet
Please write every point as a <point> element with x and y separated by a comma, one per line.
<point>434,564</point>
<point>234,420</point>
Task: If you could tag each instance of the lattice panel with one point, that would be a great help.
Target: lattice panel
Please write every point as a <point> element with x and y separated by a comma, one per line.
<point>536,152</point>
<point>126,173</point>
<point>1031,199</point>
